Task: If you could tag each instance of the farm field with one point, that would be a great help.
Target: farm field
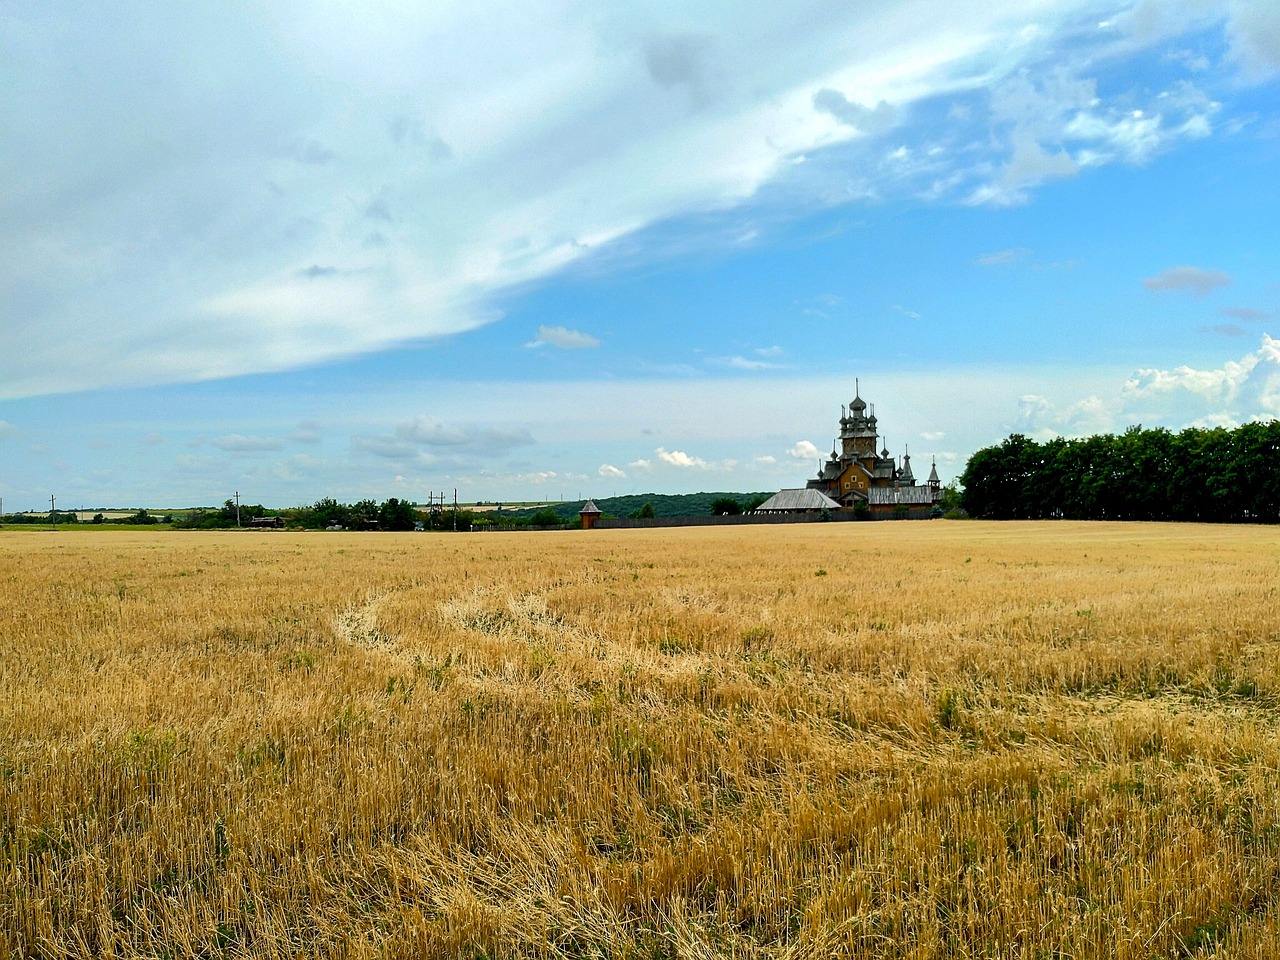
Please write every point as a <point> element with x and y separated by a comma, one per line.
<point>918,740</point>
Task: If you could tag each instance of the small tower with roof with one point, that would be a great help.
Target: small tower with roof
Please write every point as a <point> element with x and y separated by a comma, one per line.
<point>589,513</point>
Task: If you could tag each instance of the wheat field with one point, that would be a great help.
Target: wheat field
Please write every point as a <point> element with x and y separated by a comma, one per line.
<point>1039,740</point>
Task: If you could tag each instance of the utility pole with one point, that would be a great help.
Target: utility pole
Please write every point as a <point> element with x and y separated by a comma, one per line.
<point>53,516</point>
<point>237,509</point>
<point>455,509</point>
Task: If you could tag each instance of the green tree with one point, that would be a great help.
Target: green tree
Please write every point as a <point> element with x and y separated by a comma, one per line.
<point>396,514</point>
<point>327,512</point>
<point>545,517</point>
<point>364,514</point>
<point>725,507</point>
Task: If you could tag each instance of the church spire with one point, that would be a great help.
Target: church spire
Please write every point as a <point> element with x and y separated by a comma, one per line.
<point>858,405</point>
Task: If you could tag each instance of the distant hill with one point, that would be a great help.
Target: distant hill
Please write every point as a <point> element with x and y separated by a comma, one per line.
<point>664,504</point>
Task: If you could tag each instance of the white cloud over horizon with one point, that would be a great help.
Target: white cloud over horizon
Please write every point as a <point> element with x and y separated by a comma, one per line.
<point>1237,391</point>
<point>732,431</point>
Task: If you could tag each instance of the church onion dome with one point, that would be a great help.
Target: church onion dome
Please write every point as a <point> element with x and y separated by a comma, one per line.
<point>858,405</point>
<point>884,454</point>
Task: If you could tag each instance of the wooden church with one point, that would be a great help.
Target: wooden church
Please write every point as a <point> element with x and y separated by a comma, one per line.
<point>857,474</point>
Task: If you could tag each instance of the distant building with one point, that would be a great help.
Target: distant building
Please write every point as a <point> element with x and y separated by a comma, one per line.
<point>856,474</point>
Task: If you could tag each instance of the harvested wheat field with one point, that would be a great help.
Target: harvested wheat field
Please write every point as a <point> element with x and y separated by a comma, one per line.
<point>882,739</point>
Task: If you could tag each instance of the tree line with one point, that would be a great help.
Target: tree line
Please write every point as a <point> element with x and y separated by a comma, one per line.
<point>1209,475</point>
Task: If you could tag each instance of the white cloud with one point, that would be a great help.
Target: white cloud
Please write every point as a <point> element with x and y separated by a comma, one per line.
<point>1223,384</point>
<point>1041,417</point>
<point>1192,279</point>
<point>609,470</point>
<point>933,435</point>
<point>678,458</point>
<point>1056,125</point>
<point>564,338</point>
<point>804,450</point>
<point>766,460</point>
<point>641,464</point>
<point>743,363</point>
<point>1234,392</point>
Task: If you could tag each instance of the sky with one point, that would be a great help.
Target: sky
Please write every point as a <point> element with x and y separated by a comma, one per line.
<point>578,249</point>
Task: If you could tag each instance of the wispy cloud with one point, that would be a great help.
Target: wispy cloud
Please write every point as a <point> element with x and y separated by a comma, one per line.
<point>739,362</point>
<point>1000,258</point>
<point>609,471</point>
<point>269,230</point>
<point>238,443</point>
<point>564,338</point>
<point>1195,280</point>
<point>1247,315</point>
<point>430,441</point>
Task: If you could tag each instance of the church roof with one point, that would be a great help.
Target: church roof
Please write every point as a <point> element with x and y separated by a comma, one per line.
<point>909,496</point>
<point>806,499</point>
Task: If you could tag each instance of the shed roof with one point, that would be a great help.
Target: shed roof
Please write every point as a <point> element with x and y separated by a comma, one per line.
<point>589,507</point>
<point>806,499</point>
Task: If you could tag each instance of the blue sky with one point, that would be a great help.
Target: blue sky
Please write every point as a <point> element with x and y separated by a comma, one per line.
<point>558,250</point>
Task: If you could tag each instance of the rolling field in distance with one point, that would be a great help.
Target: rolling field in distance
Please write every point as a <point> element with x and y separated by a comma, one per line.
<point>924,740</point>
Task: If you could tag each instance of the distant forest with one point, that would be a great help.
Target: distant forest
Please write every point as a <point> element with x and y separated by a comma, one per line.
<point>659,504</point>
<point>1211,475</point>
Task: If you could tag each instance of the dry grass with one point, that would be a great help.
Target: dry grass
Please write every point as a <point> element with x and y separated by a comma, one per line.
<point>890,740</point>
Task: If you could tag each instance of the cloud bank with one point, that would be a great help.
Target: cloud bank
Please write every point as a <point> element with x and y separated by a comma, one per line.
<point>195,191</point>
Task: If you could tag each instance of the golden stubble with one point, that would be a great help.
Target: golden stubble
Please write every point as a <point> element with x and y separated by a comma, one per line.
<point>881,739</point>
